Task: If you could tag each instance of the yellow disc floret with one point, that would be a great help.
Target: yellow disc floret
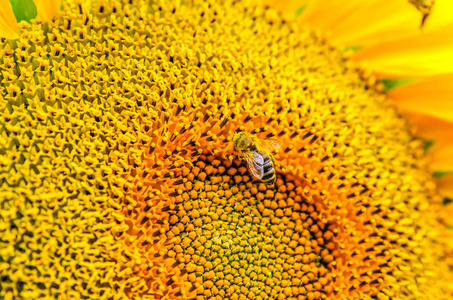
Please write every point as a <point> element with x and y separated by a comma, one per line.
<point>245,240</point>
<point>119,179</point>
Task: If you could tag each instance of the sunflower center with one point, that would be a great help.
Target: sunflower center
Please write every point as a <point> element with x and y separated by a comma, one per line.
<point>242,238</point>
<point>104,110</point>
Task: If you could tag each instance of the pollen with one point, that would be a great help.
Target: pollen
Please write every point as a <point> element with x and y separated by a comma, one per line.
<point>119,180</point>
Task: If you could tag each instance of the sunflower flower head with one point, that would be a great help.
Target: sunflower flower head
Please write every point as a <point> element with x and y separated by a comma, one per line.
<point>119,179</point>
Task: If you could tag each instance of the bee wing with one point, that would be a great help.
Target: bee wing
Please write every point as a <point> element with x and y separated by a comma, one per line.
<point>268,145</point>
<point>255,163</point>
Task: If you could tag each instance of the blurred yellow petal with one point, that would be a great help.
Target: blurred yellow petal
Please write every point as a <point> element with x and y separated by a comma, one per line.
<point>431,96</point>
<point>8,22</point>
<point>445,185</point>
<point>441,157</point>
<point>430,128</point>
<point>376,22</point>
<point>413,57</point>
<point>47,9</point>
<point>363,23</point>
<point>323,15</point>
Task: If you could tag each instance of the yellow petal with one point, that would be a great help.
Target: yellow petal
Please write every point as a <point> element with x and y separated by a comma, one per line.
<point>431,96</point>
<point>445,185</point>
<point>417,56</point>
<point>441,157</point>
<point>323,15</point>
<point>377,22</point>
<point>8,22</point>
<point>363,23</point>
<point>47,9</point>
<point>430,128</point>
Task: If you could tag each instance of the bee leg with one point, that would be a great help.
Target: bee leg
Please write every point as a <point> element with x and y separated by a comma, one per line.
<point>425,17</point>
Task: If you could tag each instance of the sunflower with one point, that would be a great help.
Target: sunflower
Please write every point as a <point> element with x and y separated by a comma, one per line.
<point>119,178</point>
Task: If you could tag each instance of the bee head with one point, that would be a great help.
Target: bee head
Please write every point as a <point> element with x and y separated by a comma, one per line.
<point>236,137</point>
<point>241,141</point>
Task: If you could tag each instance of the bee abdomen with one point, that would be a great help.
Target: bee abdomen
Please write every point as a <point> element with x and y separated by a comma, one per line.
<point>269,171</point>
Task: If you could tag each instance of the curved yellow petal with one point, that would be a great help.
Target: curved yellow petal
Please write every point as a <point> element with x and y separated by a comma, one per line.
<point>377,22</point>
<point>428,105</point>
<point>47,9</point>
<point>322,15</point>
<point>8,22</point>
<point>441,157</point>
<point>432,96</point>
<point>363,23</point>
<point>430,128</point>
<point>445,185</point>
<point>413,57</point>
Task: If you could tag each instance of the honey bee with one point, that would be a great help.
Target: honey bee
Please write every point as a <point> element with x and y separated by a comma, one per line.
<point>423,6</point>
<point>257,153</point>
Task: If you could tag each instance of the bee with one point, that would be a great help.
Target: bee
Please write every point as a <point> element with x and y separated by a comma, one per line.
<point>423,6</point>
<point>257,153</point>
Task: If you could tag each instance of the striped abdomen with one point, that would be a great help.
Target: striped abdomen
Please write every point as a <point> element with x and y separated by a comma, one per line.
<point>268,168</point>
